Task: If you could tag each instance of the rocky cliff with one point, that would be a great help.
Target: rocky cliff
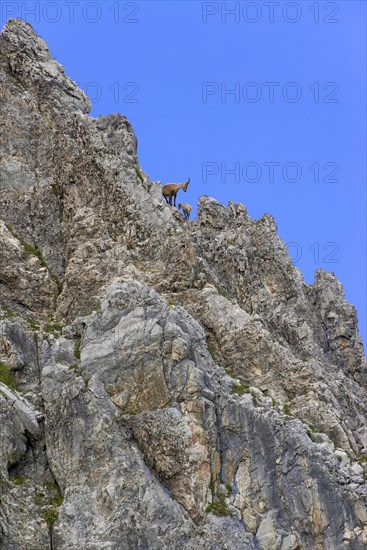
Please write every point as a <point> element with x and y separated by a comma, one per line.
<point>163,384</point>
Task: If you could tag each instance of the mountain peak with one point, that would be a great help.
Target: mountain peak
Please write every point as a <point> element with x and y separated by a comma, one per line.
<point>26,57</point>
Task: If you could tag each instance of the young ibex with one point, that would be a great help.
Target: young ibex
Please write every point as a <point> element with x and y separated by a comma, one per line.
<point>186,209</point>
<point>171,189</point>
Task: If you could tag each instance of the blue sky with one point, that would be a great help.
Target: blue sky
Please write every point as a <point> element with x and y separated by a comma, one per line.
<point>262,103</point>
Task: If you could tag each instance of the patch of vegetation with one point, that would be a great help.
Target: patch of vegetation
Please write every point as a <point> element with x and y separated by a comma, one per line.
<point>51,515</point>
<point>171,303</point>
<point>55,496</point>
<point>218,508</point>
<point>221,291</point>
<point>18,480</point>
<point>240,389</point>
<point>274,403</point>
<point>39,498</point>
<point>362,459</point>
<point>57,500</point>
<point>255,399</point>
<point>77,348</point>
<point>111,389</point>
<point>287,410</point>
<point>76,369</point>
<point>54,329</point>
<point>10,228</point>
<point>58,283</point>
<point>54,189</point>
<point>139,174</point>
<point>7,377</point>
<point>230,372</point>
<point>35,251</point>
<point>29,248</point>
<point>6,313</point>
<point>50,496</point>
<point>311,430</point>
<point>126,412</point>
<point>228,486</point>
<point>34,326</point>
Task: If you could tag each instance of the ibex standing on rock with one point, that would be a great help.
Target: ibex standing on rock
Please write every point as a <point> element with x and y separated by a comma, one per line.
<point>186,209</point>
<point>171,189</point>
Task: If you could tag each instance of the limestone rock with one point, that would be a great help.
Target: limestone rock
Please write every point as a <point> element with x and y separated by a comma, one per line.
<point>163,384</point>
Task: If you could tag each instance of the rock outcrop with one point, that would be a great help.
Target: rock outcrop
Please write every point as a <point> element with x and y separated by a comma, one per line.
<point>163,384</point>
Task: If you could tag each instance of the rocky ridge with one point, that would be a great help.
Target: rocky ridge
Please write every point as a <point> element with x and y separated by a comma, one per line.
<point>162,383</point>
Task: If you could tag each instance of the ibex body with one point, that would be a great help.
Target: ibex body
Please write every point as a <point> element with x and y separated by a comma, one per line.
<point>171,189</point>
<point>186,209</point>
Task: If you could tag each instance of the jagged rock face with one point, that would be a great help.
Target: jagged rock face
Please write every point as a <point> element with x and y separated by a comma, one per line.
<point>178,384</point>
<point>69,183</point>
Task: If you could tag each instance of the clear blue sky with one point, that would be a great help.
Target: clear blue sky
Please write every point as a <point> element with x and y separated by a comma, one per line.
<point>297,75</point>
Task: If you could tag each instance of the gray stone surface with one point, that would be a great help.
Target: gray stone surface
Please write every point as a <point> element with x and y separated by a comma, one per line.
<point>177,384</point>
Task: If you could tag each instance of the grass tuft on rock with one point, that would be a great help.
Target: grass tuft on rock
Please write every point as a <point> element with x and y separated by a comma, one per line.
<point>18,480</point>
<point>139,174</point>
<point>51,515</point>
<point>287,410</point>
<point>29,248</point>
<point>5,313</point>
<point>7,377</point>
<point>77,348</point>
<point>240,389</point>
<point>218,508</point>
<point>54,329</point>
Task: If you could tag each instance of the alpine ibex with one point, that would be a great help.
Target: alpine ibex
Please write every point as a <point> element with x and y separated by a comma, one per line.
<point>186,209</point>
<point>171,189</point>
